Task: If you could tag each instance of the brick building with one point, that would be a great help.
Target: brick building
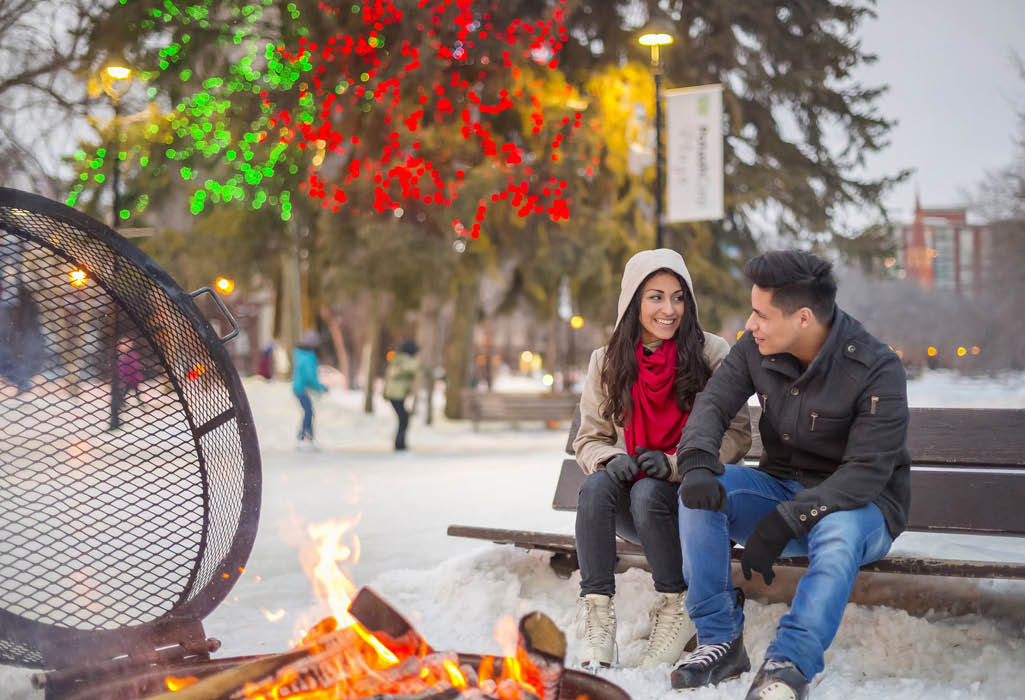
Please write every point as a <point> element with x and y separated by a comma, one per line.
<point>940,249</point>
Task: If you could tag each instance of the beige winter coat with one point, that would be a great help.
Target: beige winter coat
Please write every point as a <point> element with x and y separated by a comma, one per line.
<point>599,440</point>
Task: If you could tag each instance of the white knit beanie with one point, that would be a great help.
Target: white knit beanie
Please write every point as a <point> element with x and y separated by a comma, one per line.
<point>643,264</point>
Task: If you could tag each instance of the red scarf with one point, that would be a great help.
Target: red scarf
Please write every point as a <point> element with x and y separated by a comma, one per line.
<point>656,422</point>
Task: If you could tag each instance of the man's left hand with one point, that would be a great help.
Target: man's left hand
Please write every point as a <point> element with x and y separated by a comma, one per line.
<point>654,463</point>
<point>765,545</point>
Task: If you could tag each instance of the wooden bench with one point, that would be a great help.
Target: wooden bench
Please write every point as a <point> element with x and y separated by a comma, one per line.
<point>967,477</point>
<point>544,406</point>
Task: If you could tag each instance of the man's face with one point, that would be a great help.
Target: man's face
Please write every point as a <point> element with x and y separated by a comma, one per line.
<point>773,331</point>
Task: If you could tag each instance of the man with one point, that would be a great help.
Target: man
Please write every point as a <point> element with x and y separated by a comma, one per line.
<point>833,482</point>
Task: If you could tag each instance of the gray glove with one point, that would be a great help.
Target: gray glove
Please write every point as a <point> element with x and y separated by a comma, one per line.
<point>654,463</point>
<point>623,467</point>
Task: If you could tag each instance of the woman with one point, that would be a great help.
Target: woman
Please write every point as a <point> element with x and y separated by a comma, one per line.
<point>639,392</point>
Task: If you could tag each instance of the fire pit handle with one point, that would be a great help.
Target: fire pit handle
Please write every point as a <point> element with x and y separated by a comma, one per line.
<point>224,310</point>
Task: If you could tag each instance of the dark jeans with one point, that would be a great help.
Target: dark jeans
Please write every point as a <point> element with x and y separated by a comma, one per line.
<point>306,432</point>
<point>645,513</point>
<point>400,410</point>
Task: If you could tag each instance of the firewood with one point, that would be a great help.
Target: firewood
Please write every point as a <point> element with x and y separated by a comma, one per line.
<point>544,646</point>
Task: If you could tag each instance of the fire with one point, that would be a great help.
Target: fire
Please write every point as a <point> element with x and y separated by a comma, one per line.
<point>174,683</point>
<point>340,658</point>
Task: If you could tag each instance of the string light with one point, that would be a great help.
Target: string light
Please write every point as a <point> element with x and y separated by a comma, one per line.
<point>306,87</point>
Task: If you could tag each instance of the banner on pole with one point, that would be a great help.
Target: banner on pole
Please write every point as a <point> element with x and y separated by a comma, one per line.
<point>694,167</point>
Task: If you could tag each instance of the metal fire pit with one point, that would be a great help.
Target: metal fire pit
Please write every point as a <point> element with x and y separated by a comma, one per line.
<point>125,516</point>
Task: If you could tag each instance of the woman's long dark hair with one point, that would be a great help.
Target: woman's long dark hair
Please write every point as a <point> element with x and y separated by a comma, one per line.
<point>619,369</point>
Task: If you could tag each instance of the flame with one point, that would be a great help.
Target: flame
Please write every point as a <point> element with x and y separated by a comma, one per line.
<point>273,616</point>
<point>347,660</point>
<point>174,683</point>
<point>383,653</point>
<point>330,583</point>
<point>455,675</point>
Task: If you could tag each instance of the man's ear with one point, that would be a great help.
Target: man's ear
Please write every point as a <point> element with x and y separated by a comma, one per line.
<point>807,316</point>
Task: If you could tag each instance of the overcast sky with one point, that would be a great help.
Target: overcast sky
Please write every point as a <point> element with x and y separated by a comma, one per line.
<point>954,89</point>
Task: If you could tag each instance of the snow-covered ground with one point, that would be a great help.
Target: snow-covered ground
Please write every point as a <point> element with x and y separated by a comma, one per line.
<point>902,637</point>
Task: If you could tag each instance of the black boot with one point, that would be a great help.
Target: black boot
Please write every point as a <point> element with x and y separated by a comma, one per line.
<point>778,680</point>
<point>710,664</point>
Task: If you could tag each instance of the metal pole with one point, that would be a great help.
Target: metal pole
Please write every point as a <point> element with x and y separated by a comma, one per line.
<point>659,156</point>
<point>115,180</point>
<point>115,185</point>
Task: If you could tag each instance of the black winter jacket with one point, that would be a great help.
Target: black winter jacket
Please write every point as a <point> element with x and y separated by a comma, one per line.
<point>839,427</point>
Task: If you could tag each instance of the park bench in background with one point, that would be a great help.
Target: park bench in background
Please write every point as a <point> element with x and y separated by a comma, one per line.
<point>543,406</point>
<point>968,477</point>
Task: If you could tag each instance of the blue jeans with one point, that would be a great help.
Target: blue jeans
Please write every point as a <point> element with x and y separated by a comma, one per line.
<point>836,547</point>
<point>306,431</point>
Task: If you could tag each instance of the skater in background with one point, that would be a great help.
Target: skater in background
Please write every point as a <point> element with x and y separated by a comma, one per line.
<point>129,368</point>
<point>304,379</point>
<point>399,380</point>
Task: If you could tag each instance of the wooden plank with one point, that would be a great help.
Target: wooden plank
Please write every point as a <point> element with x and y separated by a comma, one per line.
<point>566,544</point>
<point>567,490</point>
<point>966,500</point>
<point>993,437</point>
<point>943,499</point>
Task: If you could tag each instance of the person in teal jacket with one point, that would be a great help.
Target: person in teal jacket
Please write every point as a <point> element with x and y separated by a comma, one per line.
<point>304,378</point>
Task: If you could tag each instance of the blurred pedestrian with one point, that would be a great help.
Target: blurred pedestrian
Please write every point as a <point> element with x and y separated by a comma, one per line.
<point>399,380</point>
<point>304,379</point>
<point>129,368</point>
<point>265,364</point>
<point>639,392</point>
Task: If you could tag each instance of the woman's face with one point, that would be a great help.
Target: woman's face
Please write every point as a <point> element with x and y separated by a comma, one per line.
<point>662,307</point>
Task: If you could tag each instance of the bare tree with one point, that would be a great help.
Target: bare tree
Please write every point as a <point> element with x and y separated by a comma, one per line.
<point>42,43</point>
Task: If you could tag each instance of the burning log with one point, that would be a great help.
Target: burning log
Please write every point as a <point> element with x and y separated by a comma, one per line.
<point>544,646</point>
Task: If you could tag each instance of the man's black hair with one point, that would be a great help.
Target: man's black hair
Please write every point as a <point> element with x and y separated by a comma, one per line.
<point>796,278</point>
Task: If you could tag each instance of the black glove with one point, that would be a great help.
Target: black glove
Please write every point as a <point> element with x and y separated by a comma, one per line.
<point>764,546</point>
<point>623,468</point>
<point>654,463</point>
<point>701,489</point>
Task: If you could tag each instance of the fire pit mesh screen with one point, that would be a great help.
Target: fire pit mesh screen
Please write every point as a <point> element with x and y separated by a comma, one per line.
<point>129,470</point>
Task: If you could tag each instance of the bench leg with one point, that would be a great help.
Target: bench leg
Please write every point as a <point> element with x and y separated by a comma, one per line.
<point>564,563</point>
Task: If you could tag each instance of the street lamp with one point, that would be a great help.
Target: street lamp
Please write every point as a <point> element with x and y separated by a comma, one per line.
<point>116,78</point>
<point>658,33</point>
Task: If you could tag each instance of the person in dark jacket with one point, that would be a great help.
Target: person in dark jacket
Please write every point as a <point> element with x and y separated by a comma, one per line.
<point>399,382</point>
<point>833,482</point>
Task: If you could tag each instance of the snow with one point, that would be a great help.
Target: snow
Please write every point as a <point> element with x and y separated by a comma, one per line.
<point>902,637</point>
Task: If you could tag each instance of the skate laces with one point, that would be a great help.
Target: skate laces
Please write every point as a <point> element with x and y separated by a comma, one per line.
<point>706,655</point>
<point>590,625</point>
<point>666,620</point>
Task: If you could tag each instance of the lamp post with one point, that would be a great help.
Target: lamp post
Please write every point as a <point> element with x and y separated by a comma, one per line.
<point>657,34</point>
<point>116,78</point>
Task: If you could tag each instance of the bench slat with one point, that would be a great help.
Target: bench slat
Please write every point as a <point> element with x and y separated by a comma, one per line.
<point>994,437</point>
<point>566,545</point>
<point>943,499</point>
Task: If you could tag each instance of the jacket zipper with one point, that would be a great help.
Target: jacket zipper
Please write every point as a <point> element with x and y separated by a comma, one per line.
<point>765,400</point>
<point>814,417</point>
<point>872,410</point>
